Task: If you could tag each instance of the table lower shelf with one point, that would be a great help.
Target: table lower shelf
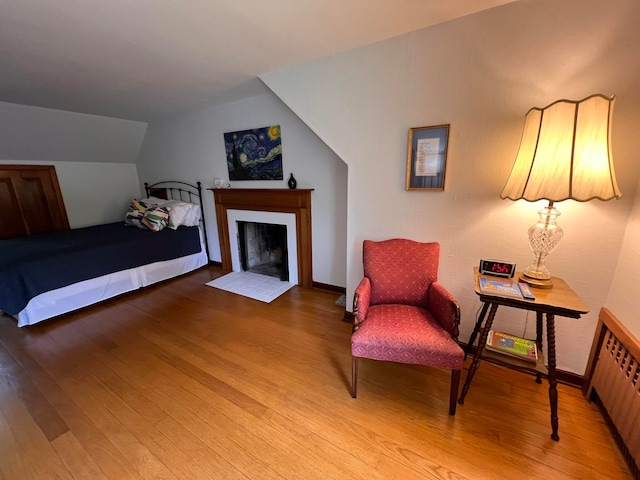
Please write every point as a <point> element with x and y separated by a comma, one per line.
<point>513,363</point>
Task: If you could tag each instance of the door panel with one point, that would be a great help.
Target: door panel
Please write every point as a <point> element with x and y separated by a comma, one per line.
<point>30,201</point>
<point>11,222</point>
<point>39,214</point>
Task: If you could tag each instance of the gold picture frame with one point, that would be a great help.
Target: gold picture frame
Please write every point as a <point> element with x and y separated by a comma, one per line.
<point>427,157</point>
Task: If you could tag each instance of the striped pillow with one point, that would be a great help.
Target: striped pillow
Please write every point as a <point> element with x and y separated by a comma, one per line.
<point>156,218</point>
<point>135,213</point>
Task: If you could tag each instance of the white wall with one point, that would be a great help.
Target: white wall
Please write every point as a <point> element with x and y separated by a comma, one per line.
<point>94,157</point>
<point>190,147</point>
<point>623,299</point>
<point>481,74</point>
<point>36,133</point>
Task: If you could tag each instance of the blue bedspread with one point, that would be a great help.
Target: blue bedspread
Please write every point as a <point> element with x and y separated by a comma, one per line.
<point>34,265</point>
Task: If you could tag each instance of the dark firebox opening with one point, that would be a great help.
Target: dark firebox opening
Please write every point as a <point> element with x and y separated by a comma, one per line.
<point>263,249</point>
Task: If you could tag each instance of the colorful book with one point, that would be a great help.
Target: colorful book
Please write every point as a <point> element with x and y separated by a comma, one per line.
<point>500,288</point>
<point>517,347</point>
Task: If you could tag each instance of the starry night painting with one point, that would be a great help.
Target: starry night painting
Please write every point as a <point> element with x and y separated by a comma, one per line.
<point>254,154</point>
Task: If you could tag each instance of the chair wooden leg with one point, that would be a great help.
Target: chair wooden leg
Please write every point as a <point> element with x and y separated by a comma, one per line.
<point>354,376</point>
<point>453,395</point>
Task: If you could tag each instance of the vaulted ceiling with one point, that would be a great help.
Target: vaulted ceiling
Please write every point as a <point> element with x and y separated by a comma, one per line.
<point>140,59</point>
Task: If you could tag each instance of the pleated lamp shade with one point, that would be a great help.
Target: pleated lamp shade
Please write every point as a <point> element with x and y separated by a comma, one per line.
<point>565,153</point>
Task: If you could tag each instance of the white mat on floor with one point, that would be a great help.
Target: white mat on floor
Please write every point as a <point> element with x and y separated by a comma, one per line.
<point>252,285</point>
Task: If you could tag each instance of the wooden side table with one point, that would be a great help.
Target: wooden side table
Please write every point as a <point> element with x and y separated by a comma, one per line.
<point>559,300</point>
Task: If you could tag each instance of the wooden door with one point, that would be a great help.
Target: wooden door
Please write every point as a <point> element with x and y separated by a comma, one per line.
<point>30,201</point>
<point>11,222</point>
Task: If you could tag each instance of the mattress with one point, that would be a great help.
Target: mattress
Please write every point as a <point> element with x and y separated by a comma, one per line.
<point>56,273</point>
<point>40,263</point>
<point>82,294</point>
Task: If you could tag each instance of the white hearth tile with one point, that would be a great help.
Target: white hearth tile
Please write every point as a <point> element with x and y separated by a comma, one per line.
<point>253,285</point>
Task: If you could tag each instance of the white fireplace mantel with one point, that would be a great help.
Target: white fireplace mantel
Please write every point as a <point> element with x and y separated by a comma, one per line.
<point>296,201</point>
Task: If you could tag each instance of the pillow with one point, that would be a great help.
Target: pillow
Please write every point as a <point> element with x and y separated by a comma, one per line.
<point>193,218</point>
<point>135,213</point>
<point>178,214</point>
<point>156,218</point>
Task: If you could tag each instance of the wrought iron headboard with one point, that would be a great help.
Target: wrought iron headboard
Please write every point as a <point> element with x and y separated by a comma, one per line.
<point>177,190</point>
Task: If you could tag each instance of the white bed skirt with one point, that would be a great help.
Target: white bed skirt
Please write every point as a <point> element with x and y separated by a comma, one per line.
<point>82,294</point>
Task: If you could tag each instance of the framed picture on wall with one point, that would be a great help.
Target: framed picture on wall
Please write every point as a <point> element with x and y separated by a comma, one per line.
<point>254,154</point>
<point>427,157</point>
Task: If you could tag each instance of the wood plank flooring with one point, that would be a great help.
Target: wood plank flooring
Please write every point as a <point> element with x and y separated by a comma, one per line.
<point>185,381</point>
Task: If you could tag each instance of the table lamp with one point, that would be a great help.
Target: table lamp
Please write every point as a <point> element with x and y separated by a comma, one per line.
<point>565,153</point>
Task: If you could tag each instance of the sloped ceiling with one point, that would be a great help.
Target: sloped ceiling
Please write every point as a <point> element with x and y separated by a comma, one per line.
<point>141,59</point>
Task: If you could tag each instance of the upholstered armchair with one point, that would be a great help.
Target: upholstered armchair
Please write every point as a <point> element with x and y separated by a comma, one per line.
<point>402,314</point>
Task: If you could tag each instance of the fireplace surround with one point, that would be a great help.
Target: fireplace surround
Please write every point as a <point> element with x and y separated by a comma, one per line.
<point>263,249</point>
<point>295,201</point>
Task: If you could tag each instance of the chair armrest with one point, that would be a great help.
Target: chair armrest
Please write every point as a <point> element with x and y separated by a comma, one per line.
<point>361,299</point>
<point>444,308</point>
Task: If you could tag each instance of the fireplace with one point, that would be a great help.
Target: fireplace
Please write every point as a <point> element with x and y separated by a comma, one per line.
<point>263,249</point>
<point>288,220</point>
<point>272,206</point>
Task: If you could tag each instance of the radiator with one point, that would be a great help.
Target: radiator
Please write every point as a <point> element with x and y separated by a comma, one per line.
<point>613,381</point>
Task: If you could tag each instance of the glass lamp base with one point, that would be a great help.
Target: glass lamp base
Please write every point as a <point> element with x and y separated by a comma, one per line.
<point>544,236</point>
<point>536,282</point>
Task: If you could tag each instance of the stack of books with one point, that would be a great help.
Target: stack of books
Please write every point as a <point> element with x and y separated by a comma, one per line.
<point>504,288</point>
<point>517,347</point>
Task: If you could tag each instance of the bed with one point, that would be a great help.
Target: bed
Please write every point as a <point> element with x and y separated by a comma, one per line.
<point>47,275</point>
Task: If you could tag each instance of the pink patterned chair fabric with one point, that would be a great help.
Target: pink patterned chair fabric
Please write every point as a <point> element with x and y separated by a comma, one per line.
<point>402,314</point>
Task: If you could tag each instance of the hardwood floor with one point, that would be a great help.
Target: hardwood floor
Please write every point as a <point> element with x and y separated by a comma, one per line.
<point>186,381</point>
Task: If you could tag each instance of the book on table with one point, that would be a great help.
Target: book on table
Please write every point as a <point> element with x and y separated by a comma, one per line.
<point>501,288</point>
<point>512,345</point>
